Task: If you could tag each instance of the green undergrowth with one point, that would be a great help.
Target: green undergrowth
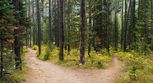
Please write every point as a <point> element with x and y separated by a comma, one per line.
<point>139,68</point>
<point>97,60</point>
<point>13,75</point>
<point>17,76</point>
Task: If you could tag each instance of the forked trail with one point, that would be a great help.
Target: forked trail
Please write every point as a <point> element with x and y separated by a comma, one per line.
<point>47,72</point>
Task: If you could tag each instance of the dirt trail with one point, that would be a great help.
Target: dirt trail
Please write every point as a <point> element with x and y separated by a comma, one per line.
<point>46,72</point>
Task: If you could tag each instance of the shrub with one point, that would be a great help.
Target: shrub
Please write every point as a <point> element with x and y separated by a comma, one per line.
<point>139,69</point>
<point>35,47</point>
<point>47,54</point>
<point>96,60</point>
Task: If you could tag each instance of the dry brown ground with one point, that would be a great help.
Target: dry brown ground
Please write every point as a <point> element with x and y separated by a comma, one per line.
<point>47,72</point>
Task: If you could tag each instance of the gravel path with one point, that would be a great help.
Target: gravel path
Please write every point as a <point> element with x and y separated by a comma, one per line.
<point>47,72</point>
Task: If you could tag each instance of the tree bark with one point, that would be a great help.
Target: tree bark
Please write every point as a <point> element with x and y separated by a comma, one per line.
<point>90,29</point>
<point>116,33</point>
<point>122,25</point>
<point>30,35</point>
<point>34,26</point>
<point>17,45</point>
<point>82,32</point>
<point>61,30</point>
<point>1,65</point>
<point>69,26</point>
<point>39,26</point>
<point>131,31</point>
<point>125,28</point>
<point>50,20</point>
<point>57,25</point>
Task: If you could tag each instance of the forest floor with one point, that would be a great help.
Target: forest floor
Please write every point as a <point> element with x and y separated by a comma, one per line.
<point>47,72</point>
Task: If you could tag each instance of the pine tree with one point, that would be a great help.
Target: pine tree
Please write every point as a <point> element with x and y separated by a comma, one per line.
<point>6,29</point>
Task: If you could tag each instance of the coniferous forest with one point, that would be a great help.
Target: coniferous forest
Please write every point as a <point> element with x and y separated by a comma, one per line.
<point>76,41</point>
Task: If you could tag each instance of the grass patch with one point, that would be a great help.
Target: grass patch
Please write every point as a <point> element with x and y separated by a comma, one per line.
<point>139,68</point>
<point>97,60</point>
<point>16,76</point>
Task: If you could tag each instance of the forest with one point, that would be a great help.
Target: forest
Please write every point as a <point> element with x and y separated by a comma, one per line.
<point>76,41</point>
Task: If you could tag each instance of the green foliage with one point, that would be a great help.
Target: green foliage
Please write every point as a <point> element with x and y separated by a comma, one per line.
<point>132,73</point>
<point>46,56</point>
<point>15,77</point>
<point>139,69</point>
<point>48,51</point>
<point>35,47</point>
<point>96,60</point>
<point>11,75</point>
<point>6,21</point>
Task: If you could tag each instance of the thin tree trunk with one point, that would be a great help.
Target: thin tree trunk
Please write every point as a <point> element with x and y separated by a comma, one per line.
<point>108,33</point>
<point>139,8</point>
<point>90,26</point>
<point>29,15</point>
<point>69,25</point>
<point>152,24</point>
<point>82,32</point>
<point>125,28</point>
<point>122,25</point>
<point>57,25</point>
<point>50,20</point>
<point>145,27</point>
<point>61,30</point>
<point>1,66</point>
<point>116,33</point>
<point>39,26</point>
<point>33,20</point>
<point>27,38</point>
<point>43,33</point>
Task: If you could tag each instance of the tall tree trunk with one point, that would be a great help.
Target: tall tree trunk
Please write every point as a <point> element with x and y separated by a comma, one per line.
<point>17,45</point>
<point>82,31</point>
<point>69,26</point>
<point>39,26</point>
<point>57,26</point>
<point>116,33</point>
<point>152,24</point>
<point>27,13</point>
<point>108,30</point>
<point>61,30</point>
<point>122,24</point>
<point>50,20</point>
<point>139,8</point>
<point>1,65</point>
<point>145,27</point>
<point>90,29</point>
<point>27,36</point>
<point>42,21</point>
<point>34,26</point>
<point>94,29</point>
<point>30,35</point>
<point>132,25</point>
<point>125,28</point>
